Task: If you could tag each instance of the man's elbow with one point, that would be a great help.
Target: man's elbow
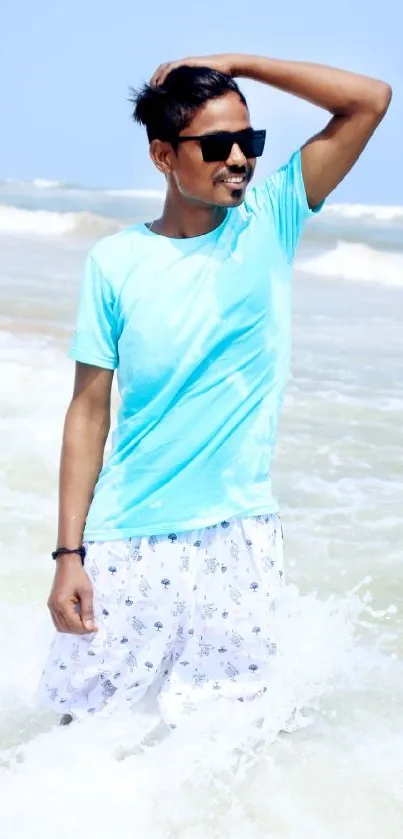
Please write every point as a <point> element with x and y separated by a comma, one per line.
<point>373,99</point>
<point>381,98</point>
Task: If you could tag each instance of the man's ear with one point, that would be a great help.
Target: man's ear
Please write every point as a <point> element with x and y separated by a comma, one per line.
<point>162,155</point>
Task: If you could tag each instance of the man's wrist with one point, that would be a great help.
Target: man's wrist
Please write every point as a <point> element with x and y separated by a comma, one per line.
<point>241,64</point>
<point>69,559</point>
<point>237,63</point>
<point>64,551</point>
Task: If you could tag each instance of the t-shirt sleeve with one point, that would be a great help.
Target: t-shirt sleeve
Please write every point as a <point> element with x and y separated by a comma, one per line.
<point>283,196</point>
<point>95,337</point>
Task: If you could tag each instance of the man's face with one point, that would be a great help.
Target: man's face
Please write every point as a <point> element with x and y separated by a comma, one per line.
<point>222,183</point>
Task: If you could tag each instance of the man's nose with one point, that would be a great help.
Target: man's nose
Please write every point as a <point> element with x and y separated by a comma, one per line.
<point>236,157</point>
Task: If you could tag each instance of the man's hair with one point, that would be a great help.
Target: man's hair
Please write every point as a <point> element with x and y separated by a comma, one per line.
<point>165,110</point>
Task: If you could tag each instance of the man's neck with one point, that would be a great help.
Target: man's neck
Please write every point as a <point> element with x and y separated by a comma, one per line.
<point>183,219</point>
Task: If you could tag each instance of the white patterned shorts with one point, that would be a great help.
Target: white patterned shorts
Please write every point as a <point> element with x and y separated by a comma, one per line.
<point>192,611</point>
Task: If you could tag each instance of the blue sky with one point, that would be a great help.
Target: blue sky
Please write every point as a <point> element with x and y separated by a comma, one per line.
<point>65,68</point>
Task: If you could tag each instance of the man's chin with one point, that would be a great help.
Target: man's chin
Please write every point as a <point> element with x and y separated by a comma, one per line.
<point>231,196</point>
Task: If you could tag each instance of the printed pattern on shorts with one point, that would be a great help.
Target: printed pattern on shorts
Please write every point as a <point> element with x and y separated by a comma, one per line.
<point>192,610</point>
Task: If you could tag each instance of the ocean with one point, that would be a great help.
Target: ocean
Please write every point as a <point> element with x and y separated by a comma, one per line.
<point>337,771</point>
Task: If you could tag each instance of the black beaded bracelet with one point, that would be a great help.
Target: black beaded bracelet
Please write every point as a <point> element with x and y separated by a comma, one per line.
<point>80,551</point>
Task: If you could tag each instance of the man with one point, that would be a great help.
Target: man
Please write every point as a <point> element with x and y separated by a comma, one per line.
<point>182,553</point>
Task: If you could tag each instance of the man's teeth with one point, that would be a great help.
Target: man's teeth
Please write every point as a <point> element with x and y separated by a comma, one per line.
<point>235,179</point>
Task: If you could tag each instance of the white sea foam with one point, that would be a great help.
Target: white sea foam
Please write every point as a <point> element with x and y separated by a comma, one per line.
<point>41,183</point>
<point>355,261</point>
<point>37,183</point>
<point>365,212</point>
<point>46,223</point>
<point>152,194</point>
<point>116,192</point>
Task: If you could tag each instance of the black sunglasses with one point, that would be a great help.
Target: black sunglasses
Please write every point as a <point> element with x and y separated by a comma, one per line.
<point>217,146</point>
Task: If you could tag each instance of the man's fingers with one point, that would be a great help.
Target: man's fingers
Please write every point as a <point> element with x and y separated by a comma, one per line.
<point>66,618</point>
<point>71,618</point>
<point>59,621</point>
<point>63,628</point>
<point>55,618</point>
<point>164,69</point>
<point>71,601</point>
<point>156,75</point>
<point>87,609</point>
<point>164,72</point>
<point>161,73</point>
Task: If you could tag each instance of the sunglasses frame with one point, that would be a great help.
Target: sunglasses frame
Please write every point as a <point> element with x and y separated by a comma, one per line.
<point>259,134</point>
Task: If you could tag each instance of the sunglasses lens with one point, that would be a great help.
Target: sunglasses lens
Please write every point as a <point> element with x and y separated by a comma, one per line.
<point>258,141</point>
<point>252,143</point>
<point>217,147</point>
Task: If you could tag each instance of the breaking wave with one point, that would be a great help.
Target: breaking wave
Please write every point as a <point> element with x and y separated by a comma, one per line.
<point>355,261</point>
<point>47,223</point>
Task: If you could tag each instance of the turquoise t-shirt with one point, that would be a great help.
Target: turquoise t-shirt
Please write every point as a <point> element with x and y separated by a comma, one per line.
<point>199,331</point>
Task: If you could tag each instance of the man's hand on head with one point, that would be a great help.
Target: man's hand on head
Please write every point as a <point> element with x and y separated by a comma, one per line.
<point>223,63</point>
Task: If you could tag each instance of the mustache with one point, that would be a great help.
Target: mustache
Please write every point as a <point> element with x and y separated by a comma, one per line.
<point>234,170</point>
